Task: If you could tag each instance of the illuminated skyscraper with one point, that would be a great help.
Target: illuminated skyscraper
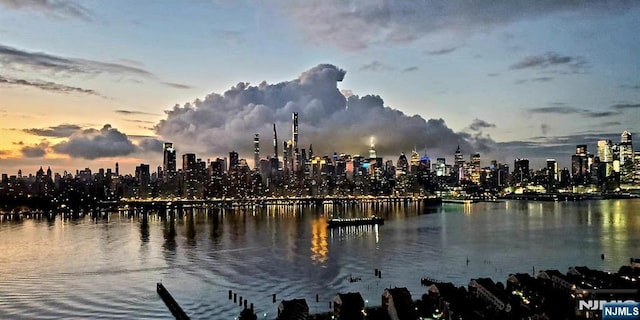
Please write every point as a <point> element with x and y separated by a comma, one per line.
<point>169,163</point>
<point>521,170</point>
<point>475,168</point>
<point>294,147</point>
<point>626,157</point>
<point>372,150</point>
<point>606,156</point>
<point>256,151</point>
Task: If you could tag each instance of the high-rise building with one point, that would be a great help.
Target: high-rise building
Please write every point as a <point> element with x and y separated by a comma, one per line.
<point>296,152</point>
<point>605,153</point>
<point>580,164</point>
<point>475,168</point>
<point>626,158</point>
<point>521,170</point>
<point>169,162</point>
<point>458,164</point>
<point>256,151</point>
<point>372,150</point>
<point>234,160</point>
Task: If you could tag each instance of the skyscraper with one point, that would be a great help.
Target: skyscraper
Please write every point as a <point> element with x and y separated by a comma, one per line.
<point>580,165</point>
<point>233,160</point>
<point>294,147</point>
<point>475,167</point>
<point>606,156</point>
<point>626,157</point>
<point>256,151</point>
<point>169,163</point>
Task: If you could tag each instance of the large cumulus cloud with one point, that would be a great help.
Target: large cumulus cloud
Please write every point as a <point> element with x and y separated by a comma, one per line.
<point>92,144</point>
<point>220,123</point>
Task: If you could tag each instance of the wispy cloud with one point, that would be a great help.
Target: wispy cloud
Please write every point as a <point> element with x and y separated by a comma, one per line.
<point>60,131</point>
<point>177,85</point>
<point>539,79</point>
<point>562,109</point>
<point>357,24</point>
<point>631,87</point>
<point>410,69</point>
<point>551,60</point>
<point>442,51</point>
<point>21,60</point>
<point>374,66</point>
<point>54,8</point>
<point>134,112</point>
<point>46,85</point>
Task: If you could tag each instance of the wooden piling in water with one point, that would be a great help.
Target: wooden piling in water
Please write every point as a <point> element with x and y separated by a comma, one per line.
<point>171,303</point>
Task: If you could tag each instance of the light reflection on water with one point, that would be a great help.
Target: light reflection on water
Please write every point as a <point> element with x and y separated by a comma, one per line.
<point>92,268</point>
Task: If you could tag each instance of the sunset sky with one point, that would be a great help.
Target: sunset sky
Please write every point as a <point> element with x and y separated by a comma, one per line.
<point>91,83</point>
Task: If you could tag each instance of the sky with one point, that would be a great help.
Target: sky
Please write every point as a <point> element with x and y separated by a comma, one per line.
<point>91,83</point>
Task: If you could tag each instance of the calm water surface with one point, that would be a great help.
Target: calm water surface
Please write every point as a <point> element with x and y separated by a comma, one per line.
<point>108,268</point>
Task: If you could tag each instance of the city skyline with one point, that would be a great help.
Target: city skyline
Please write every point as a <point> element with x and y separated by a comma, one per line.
<point>86,85</point>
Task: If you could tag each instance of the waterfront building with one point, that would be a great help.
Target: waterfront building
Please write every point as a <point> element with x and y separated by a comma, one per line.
<point>348,306</point>
<point>521,173</point>
<point>605,153</point>
<point>626,158</point>
<point>474,168</point>
<point>487,290</point>
<point>398,303</point>
<point>580,164</point>
<point>169,162</point>
<point>296,309</point>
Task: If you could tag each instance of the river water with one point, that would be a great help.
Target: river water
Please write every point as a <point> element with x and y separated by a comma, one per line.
<point>108,267</point>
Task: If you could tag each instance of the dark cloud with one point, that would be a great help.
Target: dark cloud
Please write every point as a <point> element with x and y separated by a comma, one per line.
<point>632,87</point>
<point>331,122</point>
<point>622,107</point>
<point>54,8</point>
<point>375,65</point>
<point>177,85</point>
<point>539,79</point>
<point>92,144</point>
<point>357,24</point>
<point>38,150</point>
<point>410,69</point>
<point>60,131</point>
<point>151,145</point>
<point>478,125</point>
<point>139,121</point>
<point>21,60</point>
<point>552,60</point>
<point>493,74</point>
<point>134,112</point>
<point>46,85</point>
<point>556,110</point>
<point>442,51</point>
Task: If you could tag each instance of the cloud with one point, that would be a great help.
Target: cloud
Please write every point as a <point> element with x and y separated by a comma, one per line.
<point>92,144</point>
<point>330,121</point>
<point>60,131</point>
<point>552,60</point>
<point>478,125</point>
<point>21,60</point>
<point>410,69</point>
<point>632,87</point>
<point>375,65</point>
<point>493,74</point>
<point>151,145</point>
<point>4,153</point>
<point>177,85</point>
<point>622,107</point>
<point>442,51</point>
<point>561,108</point>
<point>133,112</point>
<point>38,150</point>
<point>539,79</point>
<point>47,86</point>
<point>357,24</point>
<point>54,8</point>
